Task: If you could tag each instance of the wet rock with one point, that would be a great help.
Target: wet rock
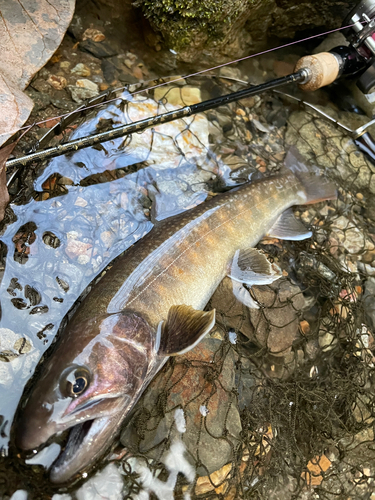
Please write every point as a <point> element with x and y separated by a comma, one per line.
<point>327,341</point>
<point>230,312</point>
<point>65,65</point>
<point>41,99</point>
<point>204,377</point>
<point>178,96</point>
<point>84,89</point>
<point>41,85</point>
<point>114,69</point>
<point>76,27</point>
<point>230,72</point>
<point>97,49</point>
<point>63,103</point>
<point>137,73</point>
<point>275,325</point>
<point>81,69</point>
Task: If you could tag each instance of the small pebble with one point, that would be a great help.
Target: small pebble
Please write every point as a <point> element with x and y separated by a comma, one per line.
<point>359,196</point>
<point>87,85</point>
<point>65,65</point>
<point>57,82</point>
<point>305,327</point>
<point>81,69</point>
<point>93,34</point>
<point>137,72</point>
<point>103,86</point>
<point>84,89</point>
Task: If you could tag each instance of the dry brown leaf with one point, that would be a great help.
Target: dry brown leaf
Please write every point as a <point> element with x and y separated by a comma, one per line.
<point>15,107</point>
<point>316,467</point>
<point>30,32</point>
<point>204,483</point>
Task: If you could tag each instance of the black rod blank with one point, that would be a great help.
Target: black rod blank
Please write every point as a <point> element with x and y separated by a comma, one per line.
<point>140,125</point>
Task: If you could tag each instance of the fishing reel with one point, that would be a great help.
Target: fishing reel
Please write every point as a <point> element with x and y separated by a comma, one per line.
<point>357,59</point>
<point>361,51</point>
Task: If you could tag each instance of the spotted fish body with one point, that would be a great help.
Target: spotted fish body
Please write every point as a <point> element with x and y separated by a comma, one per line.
<point>183,259</point>
<point>147,307</point>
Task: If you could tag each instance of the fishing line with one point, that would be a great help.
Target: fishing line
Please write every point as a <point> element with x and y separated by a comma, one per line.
<point>289,44</point>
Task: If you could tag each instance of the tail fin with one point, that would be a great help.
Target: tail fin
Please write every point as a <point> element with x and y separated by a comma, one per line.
<point>316,187</point>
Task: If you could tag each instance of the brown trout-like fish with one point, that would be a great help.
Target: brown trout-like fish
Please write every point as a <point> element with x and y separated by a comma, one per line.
<point>149,306</point>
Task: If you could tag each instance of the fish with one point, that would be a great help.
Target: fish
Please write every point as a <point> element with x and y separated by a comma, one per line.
<point>149,306</point>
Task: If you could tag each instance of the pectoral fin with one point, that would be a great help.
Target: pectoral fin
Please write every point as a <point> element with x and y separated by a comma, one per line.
<point>287,227</point>
<point>183,329</point>
<point>252,268</point>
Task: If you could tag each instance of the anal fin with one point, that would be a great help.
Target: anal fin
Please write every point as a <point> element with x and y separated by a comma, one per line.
<point>287,227</point>
<point>250,266</point>
<point>184,329</point>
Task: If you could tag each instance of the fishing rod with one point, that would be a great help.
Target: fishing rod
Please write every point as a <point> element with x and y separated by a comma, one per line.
<point>357,59</point>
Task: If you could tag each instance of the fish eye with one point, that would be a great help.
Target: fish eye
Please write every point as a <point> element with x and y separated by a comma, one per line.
<point>75,382</point>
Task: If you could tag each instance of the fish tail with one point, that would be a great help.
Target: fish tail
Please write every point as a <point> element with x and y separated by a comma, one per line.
<point>315,187</point>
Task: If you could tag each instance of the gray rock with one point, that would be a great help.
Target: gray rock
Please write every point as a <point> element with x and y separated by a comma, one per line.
<point>275,325</point>
<point>81,69</point>
<point>97,49</point>
<point>41,99</point>
<point>84,89</point>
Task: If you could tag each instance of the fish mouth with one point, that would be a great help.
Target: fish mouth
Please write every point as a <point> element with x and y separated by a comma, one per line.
<point>87,441</point>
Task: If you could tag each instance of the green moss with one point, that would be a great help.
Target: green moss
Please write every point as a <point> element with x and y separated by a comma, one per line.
<point>180,20</point>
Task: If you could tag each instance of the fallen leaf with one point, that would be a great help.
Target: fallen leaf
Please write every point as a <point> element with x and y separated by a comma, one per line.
<point>316,467</point>
<point>204,483</point>
<point>30,32</point>
<point>15,108</point>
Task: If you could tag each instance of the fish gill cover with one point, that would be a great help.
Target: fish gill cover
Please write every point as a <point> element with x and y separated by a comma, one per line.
<point>277,402</point>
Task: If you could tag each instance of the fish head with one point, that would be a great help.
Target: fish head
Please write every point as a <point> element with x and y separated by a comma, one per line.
<point>88,384</point>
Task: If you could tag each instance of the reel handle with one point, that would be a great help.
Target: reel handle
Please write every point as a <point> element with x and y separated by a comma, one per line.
<point>323,69</point>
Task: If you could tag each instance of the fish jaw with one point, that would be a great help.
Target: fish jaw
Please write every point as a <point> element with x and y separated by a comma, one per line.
<point>86,443</point>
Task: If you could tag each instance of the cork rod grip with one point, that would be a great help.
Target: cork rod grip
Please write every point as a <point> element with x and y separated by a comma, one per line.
<point>323,69</point>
